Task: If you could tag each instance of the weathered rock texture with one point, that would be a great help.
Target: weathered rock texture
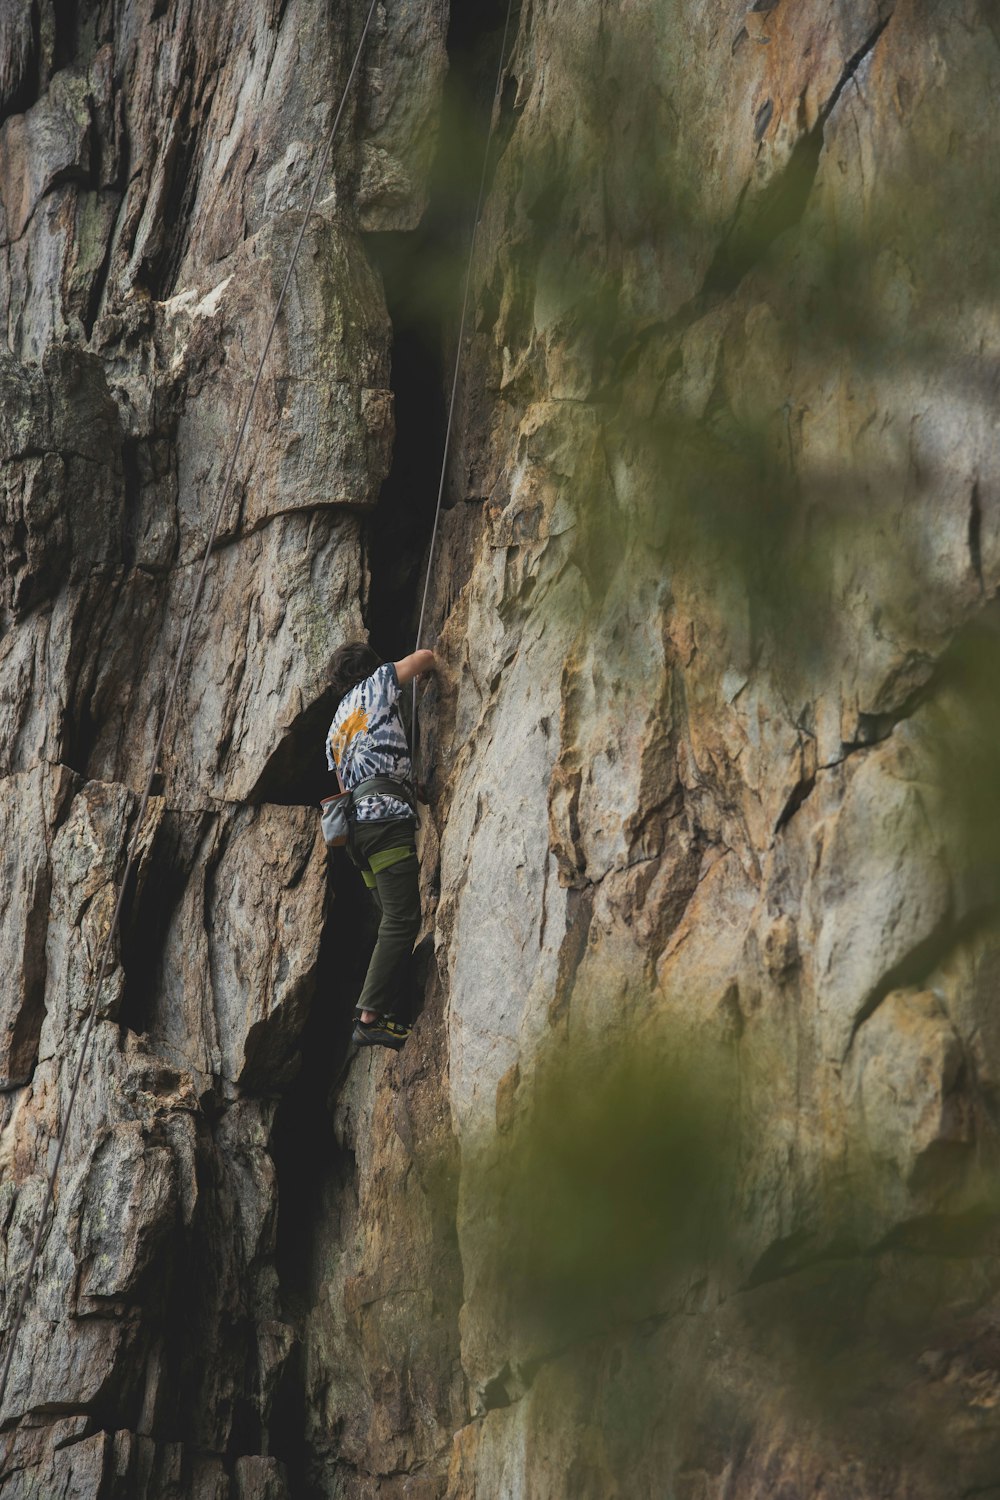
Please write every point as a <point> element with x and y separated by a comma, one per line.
<point>712,758</point>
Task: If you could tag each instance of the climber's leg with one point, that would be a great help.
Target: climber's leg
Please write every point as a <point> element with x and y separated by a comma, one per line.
<point>369,1015</point>
<point>399,898</point>
<point>388,861</point>
<point>369,879</point>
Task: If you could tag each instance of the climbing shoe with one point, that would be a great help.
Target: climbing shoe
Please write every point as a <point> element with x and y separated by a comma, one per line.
<point>382,1032</point>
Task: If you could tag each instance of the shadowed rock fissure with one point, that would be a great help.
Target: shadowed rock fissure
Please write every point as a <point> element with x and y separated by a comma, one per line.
<point>413,267</point>
<point>399,532</point>
<point>315,1172</point>
<point>313,1169</point>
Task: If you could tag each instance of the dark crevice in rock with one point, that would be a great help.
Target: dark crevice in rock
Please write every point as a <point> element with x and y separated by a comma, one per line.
<point>26,93</point>
<point>762,119</point>
<point>132,487</point>
<point>313,1170</point>
<point>874,728</point>
<point>782,203</point>
<point>784,1257</point>
<point>495,1393</point>
<point>86,725</point>
<point>96,294</point>
<point>797,796</point>
<point>64,43</point>
<point>470,22</point>
<point>947,670</point>
<point>572,949</point>
<point>26,1035</point>
<point>398,532</point>
<point>161,264</point>
<point>123,180</point>
<point>151,898</point>
<point>246,1434</point>
<point>922,960</point>
<point>966,1233</point>
<point>314,1173</point>
<point>475,33</point>
<point>415,267</point>
<point>296,773</point>
<point>66,176</point>
<point>286,1426</point>
<point>930,1235</point>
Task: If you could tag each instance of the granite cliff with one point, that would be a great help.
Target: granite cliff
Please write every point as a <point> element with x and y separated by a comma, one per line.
<point>685,1184</point>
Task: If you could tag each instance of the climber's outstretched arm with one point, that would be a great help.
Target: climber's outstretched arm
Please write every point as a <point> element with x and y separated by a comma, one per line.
<point>414,666</point>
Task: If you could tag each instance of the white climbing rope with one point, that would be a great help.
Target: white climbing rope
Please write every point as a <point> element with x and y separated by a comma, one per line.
<point>102,967</point>
<point>494,111</point>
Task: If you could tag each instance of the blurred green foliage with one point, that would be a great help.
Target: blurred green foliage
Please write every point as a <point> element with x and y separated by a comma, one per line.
<point>793,403</point>
<point>606,1243</point>
<point>607,1191</point>
<point>963,738</point>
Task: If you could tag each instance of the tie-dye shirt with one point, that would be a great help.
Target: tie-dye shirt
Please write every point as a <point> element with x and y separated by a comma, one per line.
<point>367,738</point>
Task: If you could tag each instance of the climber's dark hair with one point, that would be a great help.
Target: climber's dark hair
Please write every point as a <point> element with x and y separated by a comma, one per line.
<point>349,665</point>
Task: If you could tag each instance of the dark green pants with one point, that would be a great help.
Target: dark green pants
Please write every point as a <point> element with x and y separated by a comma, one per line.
<point>393,879</point>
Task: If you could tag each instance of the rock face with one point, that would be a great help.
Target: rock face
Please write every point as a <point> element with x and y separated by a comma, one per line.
<point>685,1183</point>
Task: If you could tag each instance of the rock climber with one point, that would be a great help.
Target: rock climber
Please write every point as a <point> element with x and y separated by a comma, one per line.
<point>368,748</point>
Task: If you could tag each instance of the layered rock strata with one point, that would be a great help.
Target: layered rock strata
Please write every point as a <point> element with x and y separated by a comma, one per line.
<point>685,1182</point>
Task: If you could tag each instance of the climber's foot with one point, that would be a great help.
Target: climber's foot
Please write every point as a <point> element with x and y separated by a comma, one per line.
<point>367,1016</point>
<point>383,1031</point>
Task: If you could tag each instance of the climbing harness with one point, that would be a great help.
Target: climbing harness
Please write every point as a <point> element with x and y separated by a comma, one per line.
<point>336,812</point>
<point>102,967</point>
<point>384,860</point>
<point>494,111</point>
